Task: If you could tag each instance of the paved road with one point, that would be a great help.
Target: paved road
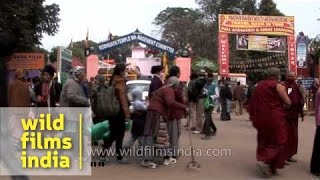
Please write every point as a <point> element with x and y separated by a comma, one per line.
<point>237,135</point>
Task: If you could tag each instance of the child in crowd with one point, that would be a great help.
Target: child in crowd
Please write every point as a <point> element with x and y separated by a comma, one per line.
<point>139,111</point>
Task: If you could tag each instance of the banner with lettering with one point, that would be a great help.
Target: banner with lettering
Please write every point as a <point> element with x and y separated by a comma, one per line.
<point>258,43</point>
<point>223,54</point>
<point>261,43</point>
<point>136,36</point>
<point>302,51</point>
<point>292,54</point>
<point>26,61</point>
<point>249,24</point>
<point>64,64</point>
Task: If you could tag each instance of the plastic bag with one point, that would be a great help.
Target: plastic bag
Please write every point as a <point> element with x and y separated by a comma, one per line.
<point>100,130</point>
<point>208,103</point>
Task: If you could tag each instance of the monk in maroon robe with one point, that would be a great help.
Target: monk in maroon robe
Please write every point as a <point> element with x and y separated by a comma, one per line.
<point>293,113</point>
<point>267,110</point>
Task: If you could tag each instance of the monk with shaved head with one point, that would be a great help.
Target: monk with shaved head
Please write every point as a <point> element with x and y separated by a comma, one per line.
<point>267,110</point>
<point>293,114</point>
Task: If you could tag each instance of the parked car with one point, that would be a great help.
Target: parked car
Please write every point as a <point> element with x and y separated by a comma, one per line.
<point>143,85</point>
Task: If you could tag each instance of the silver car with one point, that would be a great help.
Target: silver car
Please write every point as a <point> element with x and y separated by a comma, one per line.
<point>143,85</point>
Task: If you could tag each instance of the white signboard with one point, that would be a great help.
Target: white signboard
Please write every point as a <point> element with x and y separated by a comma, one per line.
<point>64,63</point>
<point>144,64</point>
<point>138,52</point>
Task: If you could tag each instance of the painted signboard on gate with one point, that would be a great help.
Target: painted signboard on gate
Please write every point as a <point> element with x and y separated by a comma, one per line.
<point>257,25</point>
<point>27,61</point>
<point>261,43</point>
<point>64,64</point>
<point>250,24</point>
<point>302,51</point>
<point>257,43</point>
<point>277,44</point>
<point>223,54</point>
<point>292,56</point>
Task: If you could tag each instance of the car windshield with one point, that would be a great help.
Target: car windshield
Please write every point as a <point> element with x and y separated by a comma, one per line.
<point>141,86</point>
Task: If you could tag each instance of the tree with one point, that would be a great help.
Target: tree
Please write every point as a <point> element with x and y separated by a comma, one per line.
<point>212,8</point>
<point>230,7</point>
<point>269,8</point>
<point>177,24</point>
<point>29,20</point>
<point>53,55</point>
<point>182,26</point>
<point>78,49</point>
<point>249,7</point>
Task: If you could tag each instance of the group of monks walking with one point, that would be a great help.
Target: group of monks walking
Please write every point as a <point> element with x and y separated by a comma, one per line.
<point>274,109</point>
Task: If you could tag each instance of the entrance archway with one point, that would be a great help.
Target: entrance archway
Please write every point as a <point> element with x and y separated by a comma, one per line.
<point>253,26</point>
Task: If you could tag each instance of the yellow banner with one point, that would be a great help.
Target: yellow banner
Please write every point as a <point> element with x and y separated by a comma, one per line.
<point>250,24</point>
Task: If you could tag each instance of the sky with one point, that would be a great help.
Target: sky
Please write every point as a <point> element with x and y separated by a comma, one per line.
<point>121,17</point>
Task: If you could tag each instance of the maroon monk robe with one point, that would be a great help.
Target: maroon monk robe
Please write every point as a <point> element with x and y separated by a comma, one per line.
<point>296,98</point>
<point>268,116</point>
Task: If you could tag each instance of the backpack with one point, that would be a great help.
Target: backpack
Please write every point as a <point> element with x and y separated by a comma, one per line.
<point>107,104</point>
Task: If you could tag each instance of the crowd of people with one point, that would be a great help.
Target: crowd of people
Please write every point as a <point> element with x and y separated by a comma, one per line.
<point>274,108</point>
<point>156,123</point>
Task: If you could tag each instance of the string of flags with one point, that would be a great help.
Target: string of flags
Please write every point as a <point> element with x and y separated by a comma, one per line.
<point>259,65</point>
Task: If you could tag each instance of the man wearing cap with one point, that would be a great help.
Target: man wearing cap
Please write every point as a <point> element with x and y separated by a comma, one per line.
<point>48,91</point>
<point>73,94</point>
<point>267,110</point>
<point>19,95</point>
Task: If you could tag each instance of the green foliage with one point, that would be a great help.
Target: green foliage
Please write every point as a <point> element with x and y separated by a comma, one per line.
<point>182,26</point>
<point>177,24</point>
<point>53,55</point>
<point>29,20</point>
<point>249,7</point>
<point>315,49</point>
<point>78,49</point>
<point>268,7</point>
